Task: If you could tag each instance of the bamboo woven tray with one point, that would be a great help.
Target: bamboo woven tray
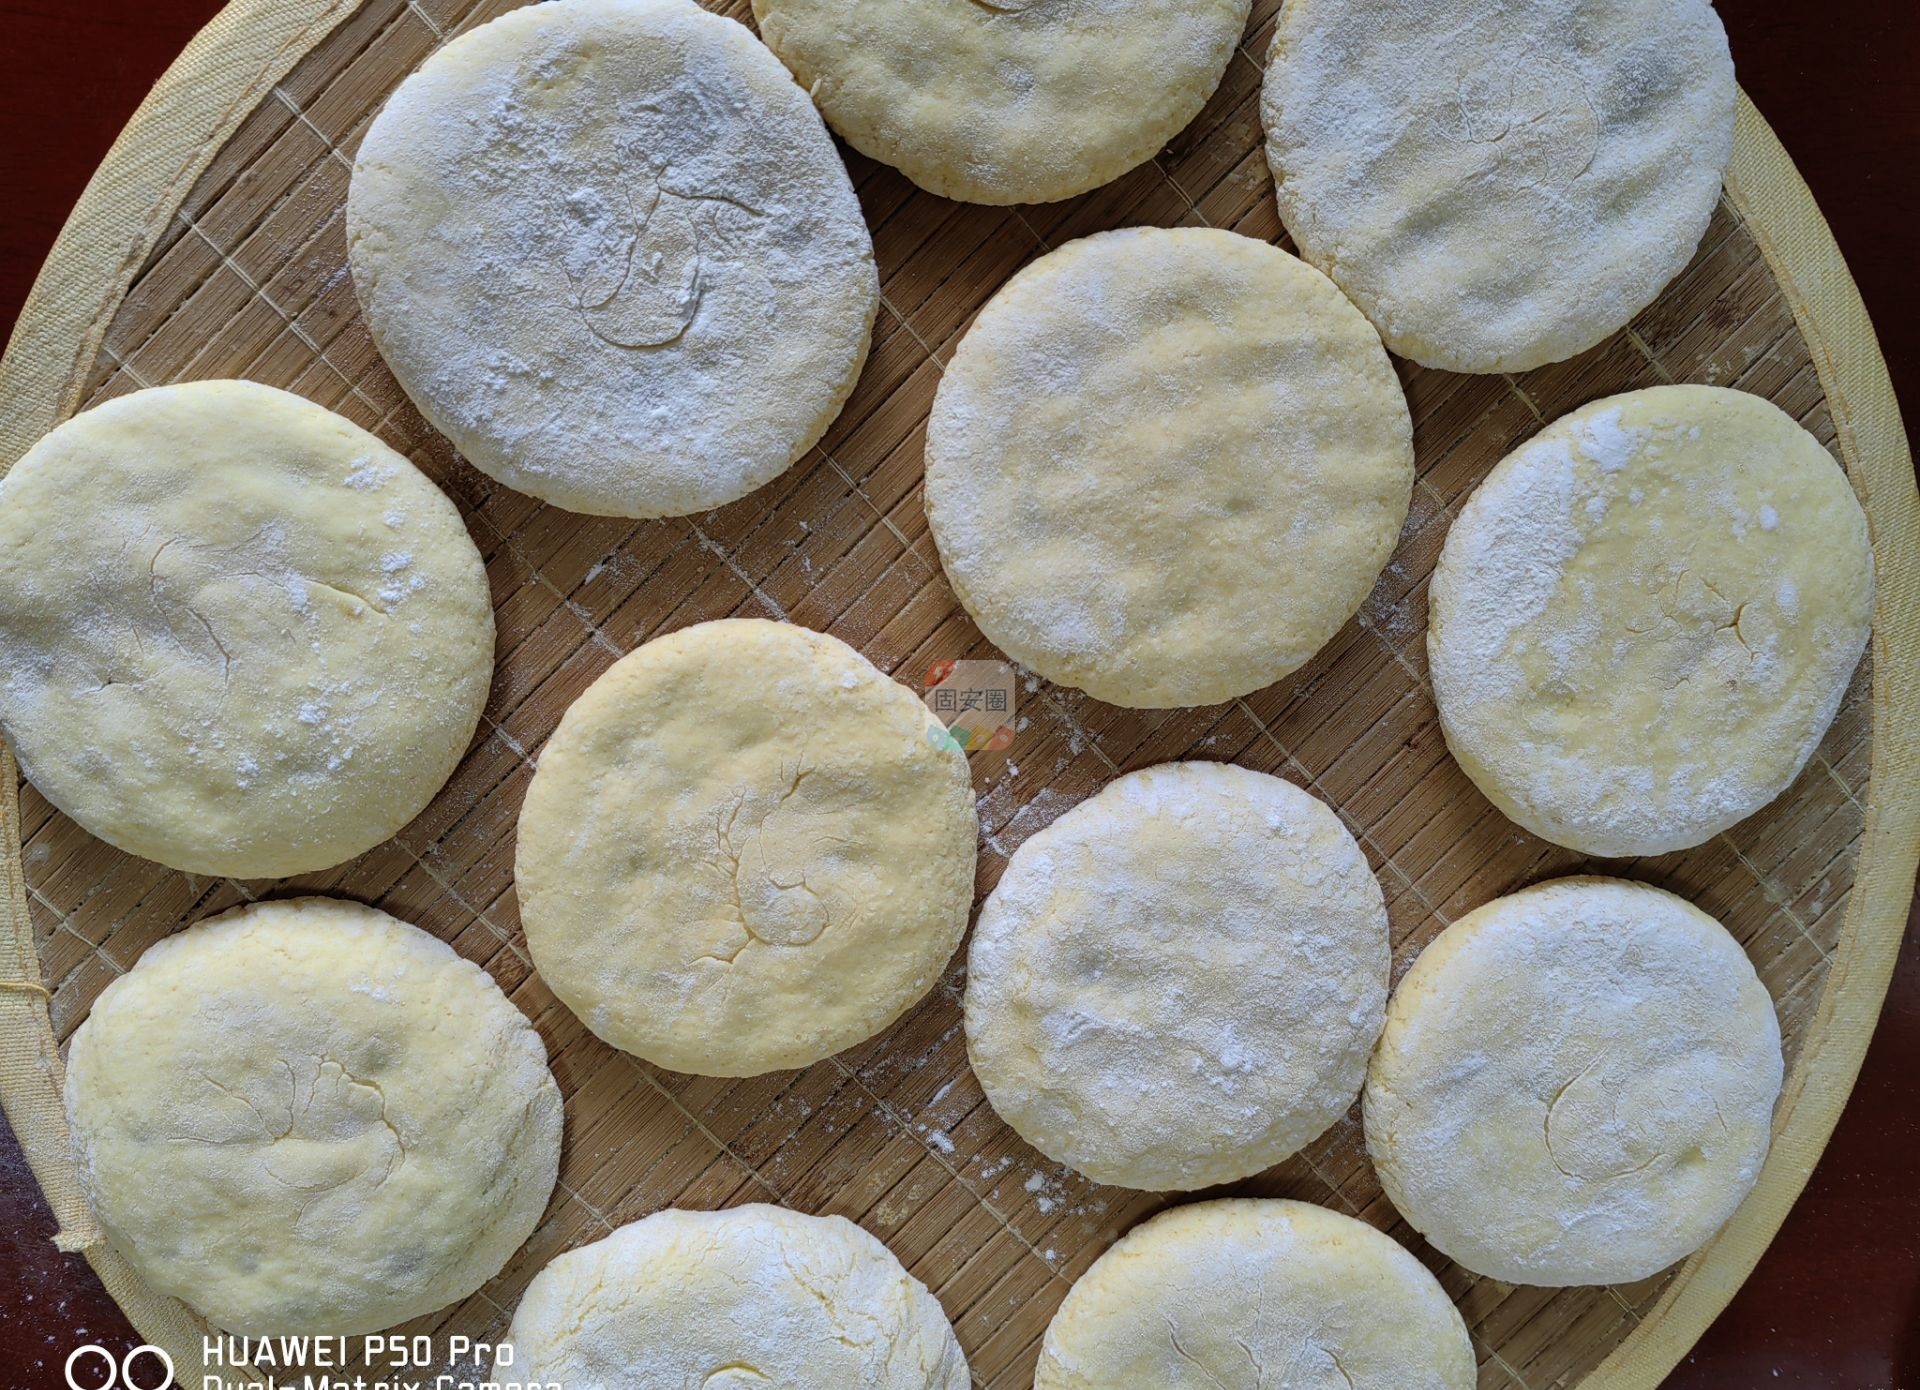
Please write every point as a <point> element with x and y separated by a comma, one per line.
<point>210,244</point>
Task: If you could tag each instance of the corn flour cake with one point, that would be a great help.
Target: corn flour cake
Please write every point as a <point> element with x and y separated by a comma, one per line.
<point>1177,982</point>
<point>1006,101</point>
<point>1498,183</point>
<point>1246,1292</point>
<point>610,251</point>
<point>1166,466</point>
<point>1645,617</point>
<point>239,635</point>
<point>1576,1084</point>
<point>305,1117</point>
<point>743,1299</point>
<point>745,849</point>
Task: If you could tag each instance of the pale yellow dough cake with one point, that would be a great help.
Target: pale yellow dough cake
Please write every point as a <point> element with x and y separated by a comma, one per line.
<point>1166,466</point>
<point>1498,183</point>
<point>609,249</point>
<point>745,849</point>
<point>238,634</point>
<point>306,1118</point>
<point>1645,618</point>
<point>752,1298</point>
<point>1006,101</point>
<point>1177,982</point>
<point>1246,1292</point>
<point>1575,1085</point>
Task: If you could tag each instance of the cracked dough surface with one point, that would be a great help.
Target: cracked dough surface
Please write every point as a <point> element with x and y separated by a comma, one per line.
<point>1247,1292</point>
<point>1177,982</point>
<point>730,1300</point>
<point>1165,466</point>
<point>744,851</point>
<point>307,1117</point>
<point>1498,183</point>
<point>1006,101</point>
<point>239,635</point>
<point>609,249</point>
<point>1645,618</point>
<point>1575,1085</point>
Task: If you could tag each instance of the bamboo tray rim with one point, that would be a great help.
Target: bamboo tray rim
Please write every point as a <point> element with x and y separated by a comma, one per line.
<point>233,64</point>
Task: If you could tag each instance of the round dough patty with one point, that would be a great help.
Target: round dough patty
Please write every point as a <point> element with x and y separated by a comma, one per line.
<point>307,1118</point>
<point>745,849</point>
<point>755,1296</point>
<point>1165,466</point>
<point>238,634</point>
<point>1575,1085</point>
<point>1177,982</point>
<point>1645,618</point>
<point>1231,1292</point>
<point>1498,183</point>
<point>1006,101</point>
<point>609,249</point>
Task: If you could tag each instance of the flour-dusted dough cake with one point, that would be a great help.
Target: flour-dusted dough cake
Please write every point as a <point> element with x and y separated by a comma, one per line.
<point>608,248</point>
<point>1498,183</point>
<point>1248,1292</point>
<point>1645,617</point>
<point>1007,101</point>
<point>238,634</point>
<point>1165,466</point>
<point>1575,1085</point>
<point>745,849</point>
<point>744,1299</point>
<point>1177,982</point>
<point>304,1117</point>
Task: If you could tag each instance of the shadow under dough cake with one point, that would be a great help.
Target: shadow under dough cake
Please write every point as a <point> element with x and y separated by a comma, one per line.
<point>1177,982</point>
<point>239,635</point>
<point>609,249</point>
<point>1498,183</point>
<point>745,849</point>
<point>1645,618</point>
<point>305,1117</point>
<point>1166,466</point>
<point>1575,1085</point>
<point>1228,1293</point>
<point>1012,101</point>
<point>755,1296</point>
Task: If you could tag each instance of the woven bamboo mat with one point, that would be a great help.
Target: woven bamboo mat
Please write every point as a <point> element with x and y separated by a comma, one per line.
<point>245,275</point>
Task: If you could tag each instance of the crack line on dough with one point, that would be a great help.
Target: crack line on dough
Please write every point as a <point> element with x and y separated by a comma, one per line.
<point>734,856</point>
<point>1546,1119</point>
<point>1173,1336</point>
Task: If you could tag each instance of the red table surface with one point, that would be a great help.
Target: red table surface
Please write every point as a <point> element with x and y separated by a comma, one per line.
<point>1835,1303</point>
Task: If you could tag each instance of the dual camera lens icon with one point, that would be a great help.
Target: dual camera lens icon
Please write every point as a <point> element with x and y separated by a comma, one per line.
<point>92,1367</point>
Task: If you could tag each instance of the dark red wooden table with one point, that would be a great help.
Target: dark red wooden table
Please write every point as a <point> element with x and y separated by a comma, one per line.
<point>1835,1304</point>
